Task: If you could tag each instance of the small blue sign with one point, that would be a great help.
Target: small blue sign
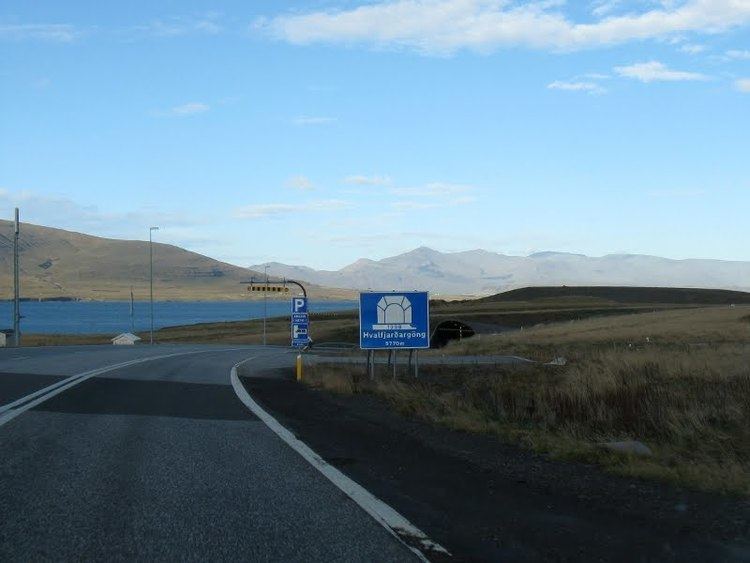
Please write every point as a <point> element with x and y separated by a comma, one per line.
<point>300,323</point>
<point>394,320</point>
<point>300,335</point>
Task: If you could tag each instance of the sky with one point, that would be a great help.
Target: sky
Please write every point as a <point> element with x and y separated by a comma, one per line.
<point>321,132</point>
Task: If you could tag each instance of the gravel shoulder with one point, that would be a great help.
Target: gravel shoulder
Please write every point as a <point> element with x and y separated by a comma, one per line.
<point>485,500</point>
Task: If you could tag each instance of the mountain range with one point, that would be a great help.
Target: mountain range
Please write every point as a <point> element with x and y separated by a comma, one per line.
<point>480,272</point>
<point>62,264</point>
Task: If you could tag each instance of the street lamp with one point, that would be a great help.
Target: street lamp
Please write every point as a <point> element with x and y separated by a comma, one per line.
<point>151,276</point>
<point>265,303</point>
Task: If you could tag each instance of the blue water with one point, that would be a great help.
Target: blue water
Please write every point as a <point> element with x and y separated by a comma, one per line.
<point>113,317</point>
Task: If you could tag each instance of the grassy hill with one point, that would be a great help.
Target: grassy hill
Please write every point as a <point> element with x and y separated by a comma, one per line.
<point>662,295</point>
<point>63,264</point>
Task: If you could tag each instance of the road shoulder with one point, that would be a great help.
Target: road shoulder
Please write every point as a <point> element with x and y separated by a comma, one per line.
<point>486,500</point>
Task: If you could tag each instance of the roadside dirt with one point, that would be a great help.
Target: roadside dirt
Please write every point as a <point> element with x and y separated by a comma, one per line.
<point>484,500</point>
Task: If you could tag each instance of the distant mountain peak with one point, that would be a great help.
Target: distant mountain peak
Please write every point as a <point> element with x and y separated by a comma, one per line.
<point>483,272</point>
<point>555,254</point>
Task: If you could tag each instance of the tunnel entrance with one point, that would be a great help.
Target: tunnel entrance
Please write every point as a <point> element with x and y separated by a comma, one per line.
<point>450,330</point>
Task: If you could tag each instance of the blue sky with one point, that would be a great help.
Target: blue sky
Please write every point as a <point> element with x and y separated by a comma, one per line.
<point>326,131</point>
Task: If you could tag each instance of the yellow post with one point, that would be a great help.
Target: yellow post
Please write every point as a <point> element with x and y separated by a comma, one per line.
<point>299,367</point>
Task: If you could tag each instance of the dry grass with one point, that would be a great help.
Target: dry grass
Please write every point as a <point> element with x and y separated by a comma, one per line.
<point>689,403</point>
<point>680,329</point>
<point>64,339</point>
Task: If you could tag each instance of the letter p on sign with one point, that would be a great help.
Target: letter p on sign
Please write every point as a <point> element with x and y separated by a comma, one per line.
<point>299,305</point>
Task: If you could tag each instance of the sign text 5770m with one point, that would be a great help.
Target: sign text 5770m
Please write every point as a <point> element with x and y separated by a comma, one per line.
<point>394,320</point>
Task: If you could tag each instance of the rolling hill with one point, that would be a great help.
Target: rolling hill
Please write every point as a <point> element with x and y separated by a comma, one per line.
<point>63,264</point>
<point>480,272</point>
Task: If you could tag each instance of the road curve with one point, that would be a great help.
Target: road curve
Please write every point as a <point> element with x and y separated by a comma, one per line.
<point>161,460</point>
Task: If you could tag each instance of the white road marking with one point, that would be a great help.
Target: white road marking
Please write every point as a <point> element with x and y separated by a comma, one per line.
<point>396,524</point>
<point>11,410</point>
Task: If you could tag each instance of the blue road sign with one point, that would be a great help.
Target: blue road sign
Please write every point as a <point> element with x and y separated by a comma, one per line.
<point>394,320</point>
<point>300,322</point>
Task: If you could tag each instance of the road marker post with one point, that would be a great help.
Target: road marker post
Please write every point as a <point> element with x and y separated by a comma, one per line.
<point>298,366</point>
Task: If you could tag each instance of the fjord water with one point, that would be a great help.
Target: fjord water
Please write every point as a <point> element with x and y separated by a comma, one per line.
<point>113,317</point>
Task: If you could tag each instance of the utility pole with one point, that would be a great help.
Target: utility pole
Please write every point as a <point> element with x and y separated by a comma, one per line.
<point>132,323</point>
<point>151,276</point>
<point>265,303</point>
<point>16,285</point>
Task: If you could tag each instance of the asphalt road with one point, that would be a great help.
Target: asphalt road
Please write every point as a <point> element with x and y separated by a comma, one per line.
<point>159,460</point>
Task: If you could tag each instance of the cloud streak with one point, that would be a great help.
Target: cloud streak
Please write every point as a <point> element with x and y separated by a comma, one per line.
<point>55,32</point>
<point>576,86</point>
<point>432,196</point>
<point>654,71</point>
<point>361,180</point>
<point>177,26</point>
<point>185,110</point>
<point>300,183</point>
<point>444,26</point>
<point>64,213</point>
<point>267,210</point>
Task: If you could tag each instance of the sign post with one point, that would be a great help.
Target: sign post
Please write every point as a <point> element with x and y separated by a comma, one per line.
<point>394,320</point>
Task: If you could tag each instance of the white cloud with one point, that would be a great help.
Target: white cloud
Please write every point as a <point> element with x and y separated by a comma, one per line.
<point>313,120</point>
<point>693,49</point>
<point>264,210</point>
<point>654,71</point>
<point>176,26</point>
<point>300,183</point>
<point>739,54</point>
<point>444,26</point>
<point>64,213</point>
<point>361,180</point>
<point>743,85</point>
<point>605,7</point>
<point>576,86</point>
<point>190,108</point>
<point>596,76</point>
<point>432,196</point>
<point>62,33</point>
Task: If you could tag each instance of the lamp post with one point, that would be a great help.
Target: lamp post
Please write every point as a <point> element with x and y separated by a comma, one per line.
<point>151,276</point>
<point>16,284</point>
<point>265,303</point>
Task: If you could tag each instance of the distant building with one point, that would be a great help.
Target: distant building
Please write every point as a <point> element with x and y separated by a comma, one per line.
<point>125,339</point>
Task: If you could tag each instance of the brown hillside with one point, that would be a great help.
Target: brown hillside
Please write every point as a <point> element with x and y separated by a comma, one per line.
<point>63,264</point>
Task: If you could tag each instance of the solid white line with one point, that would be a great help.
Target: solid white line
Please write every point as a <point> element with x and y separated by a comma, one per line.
<point>54,386</point>
<point>11,410</point>
<point>396,524</point>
